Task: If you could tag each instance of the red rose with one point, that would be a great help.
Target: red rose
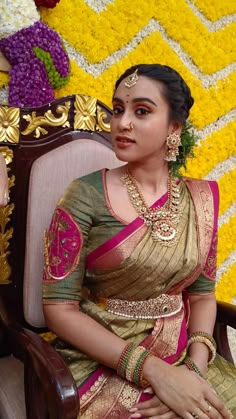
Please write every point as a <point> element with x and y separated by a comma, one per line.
<point>46,3</point>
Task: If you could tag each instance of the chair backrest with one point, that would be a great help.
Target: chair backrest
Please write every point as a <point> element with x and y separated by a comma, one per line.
<point>50,151</point>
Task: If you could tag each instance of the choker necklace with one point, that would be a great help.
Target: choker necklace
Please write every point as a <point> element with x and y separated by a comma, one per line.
<point>162,221</point>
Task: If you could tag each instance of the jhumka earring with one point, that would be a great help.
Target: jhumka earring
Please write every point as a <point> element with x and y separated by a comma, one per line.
<point>173,142</point>
<point>132,79</point>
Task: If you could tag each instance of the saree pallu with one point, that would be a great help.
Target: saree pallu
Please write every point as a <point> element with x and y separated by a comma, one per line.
<point>130,270</point>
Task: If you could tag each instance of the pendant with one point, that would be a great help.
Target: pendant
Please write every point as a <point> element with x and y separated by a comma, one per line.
<point>165,232</point>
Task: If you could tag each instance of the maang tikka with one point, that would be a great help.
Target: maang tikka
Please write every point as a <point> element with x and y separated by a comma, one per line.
<point>132,79</point>
<point>173,141</point>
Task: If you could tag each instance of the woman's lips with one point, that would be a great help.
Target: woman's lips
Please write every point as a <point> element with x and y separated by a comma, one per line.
<point>124,142</point>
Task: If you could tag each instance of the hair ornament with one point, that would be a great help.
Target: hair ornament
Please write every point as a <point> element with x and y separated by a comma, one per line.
<point>132,79</point>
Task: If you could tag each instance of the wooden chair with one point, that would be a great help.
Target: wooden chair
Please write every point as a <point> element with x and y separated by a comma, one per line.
<point>45,148</point>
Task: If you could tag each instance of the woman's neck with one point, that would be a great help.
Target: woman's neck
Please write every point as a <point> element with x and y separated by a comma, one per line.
<point>150,179</point>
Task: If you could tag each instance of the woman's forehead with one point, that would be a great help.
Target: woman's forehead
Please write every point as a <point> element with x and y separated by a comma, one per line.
<point>144,87</point>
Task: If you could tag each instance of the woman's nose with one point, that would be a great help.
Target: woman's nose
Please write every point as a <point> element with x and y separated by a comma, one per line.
<point>125,122</point>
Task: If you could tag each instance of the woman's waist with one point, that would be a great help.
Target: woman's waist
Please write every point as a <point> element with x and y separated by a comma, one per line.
<point>160,307</point>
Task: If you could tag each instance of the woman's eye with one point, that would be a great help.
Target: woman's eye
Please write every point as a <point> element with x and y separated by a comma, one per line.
<point>117,110</point>
<point>142,111</point>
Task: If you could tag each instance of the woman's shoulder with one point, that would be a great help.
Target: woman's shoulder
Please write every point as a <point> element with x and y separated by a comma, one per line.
<point>200,189</point>
<point>93,179</point>
<point>212,185</point>
<point>199,181</point>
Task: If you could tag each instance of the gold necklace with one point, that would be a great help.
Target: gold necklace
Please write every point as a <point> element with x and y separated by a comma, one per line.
<point>162,221</point>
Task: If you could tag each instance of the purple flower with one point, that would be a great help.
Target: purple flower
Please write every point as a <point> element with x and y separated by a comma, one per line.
<point>29,84</point>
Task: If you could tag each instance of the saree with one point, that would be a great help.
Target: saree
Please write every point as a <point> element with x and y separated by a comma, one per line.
<point>136,288</point>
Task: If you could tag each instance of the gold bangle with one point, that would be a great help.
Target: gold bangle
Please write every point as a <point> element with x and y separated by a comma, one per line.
<point>132,361</point>
<point>206,335</point>
<point>207,342</point>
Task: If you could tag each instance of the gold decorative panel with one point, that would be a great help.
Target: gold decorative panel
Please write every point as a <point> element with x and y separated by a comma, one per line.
<point>88,115</point>
<point>101,115</point>
<point>36,123</point>
<point>6,233</point>
<point>9,125</point>
<point>85,113</point>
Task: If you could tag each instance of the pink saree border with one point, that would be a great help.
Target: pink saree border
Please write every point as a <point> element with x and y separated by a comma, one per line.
<point>104,373</point>
<point>92,379</point>
<point>124,234</point>
<point>216,200</point>
<point>206,223</point>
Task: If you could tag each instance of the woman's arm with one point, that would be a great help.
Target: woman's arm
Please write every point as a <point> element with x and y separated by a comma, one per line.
<point>84,333</point>
<point>3,182</point>
<point>181,390</point>
<point>202,319</point>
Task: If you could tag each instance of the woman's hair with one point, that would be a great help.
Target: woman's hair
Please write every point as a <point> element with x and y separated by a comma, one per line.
<point>176,91</point>
<point>178,96</point>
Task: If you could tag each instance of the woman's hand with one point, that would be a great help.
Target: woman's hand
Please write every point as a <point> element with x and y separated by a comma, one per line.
<point>183,391</point>
<point>4,193</point>
<point>153,409</point>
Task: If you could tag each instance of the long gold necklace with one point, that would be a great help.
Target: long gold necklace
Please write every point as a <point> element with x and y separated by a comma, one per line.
<point>162,221</point>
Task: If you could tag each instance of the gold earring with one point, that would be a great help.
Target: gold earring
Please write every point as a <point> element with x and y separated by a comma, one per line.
<point>173,141</point>
<point>131,126</point>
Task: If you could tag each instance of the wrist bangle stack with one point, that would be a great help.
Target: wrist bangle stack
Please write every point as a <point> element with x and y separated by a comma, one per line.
<point>131,363</point>
<point>208,340</point>
<point>138,371</point>
<point>121,366</point>
<point>192,366</point>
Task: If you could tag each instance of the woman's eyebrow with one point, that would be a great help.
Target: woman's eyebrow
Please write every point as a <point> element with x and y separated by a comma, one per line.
<point>137,99</point>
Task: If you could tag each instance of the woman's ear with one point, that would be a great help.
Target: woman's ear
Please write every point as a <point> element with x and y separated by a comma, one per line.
<point>176,127</point>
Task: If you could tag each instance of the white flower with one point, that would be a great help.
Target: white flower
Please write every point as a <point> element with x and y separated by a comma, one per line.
<point>16,15</point>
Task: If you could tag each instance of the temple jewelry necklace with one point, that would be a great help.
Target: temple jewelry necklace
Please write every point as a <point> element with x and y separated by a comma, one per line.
<point>162,221</point>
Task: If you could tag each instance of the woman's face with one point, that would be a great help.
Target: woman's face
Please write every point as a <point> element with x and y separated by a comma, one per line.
<point>144,108</point>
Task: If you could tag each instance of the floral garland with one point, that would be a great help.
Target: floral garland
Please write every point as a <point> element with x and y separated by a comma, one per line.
<point>122,23</point>
<point>35,52</point>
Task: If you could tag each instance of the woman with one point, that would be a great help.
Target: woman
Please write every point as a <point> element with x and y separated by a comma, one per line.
<point>130,267</point>
<point>4,194</point>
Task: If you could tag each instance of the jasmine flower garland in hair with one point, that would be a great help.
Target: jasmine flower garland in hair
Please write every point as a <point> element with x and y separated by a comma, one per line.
<point>188,140</point>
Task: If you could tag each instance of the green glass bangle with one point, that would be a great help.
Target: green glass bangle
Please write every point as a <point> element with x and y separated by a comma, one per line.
<point>138,367</point>
<point>121,370</point>
<point>192,366</point>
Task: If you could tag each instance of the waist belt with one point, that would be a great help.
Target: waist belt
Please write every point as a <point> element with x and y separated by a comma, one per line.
<point>163,306</point>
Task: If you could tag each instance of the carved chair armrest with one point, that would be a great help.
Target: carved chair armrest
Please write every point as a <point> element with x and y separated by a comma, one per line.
<point>226,316</point>
<point>50,390</point>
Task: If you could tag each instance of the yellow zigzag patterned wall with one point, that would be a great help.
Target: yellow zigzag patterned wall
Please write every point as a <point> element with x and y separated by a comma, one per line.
<point>197,38</point>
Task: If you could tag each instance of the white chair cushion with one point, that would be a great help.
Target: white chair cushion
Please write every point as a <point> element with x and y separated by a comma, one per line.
<point>50,175</point>
<point>12,399</point>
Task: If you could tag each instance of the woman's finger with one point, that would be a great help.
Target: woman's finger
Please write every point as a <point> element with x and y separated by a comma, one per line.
<point>159,411</point>
<point>153,402</point>
<point>215,404</point>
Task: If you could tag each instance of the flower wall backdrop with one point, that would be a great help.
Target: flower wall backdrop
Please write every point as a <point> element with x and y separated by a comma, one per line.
<point>197,38</point>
